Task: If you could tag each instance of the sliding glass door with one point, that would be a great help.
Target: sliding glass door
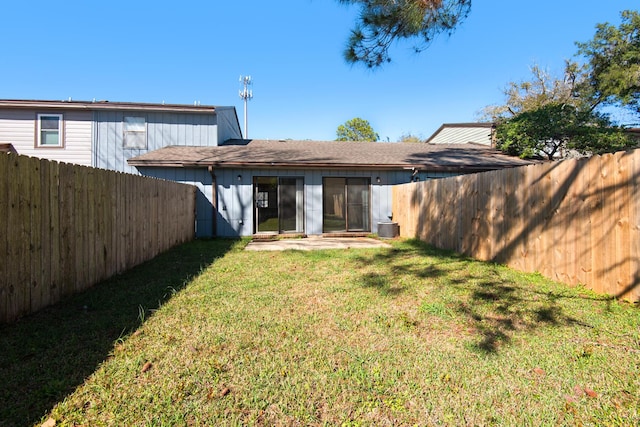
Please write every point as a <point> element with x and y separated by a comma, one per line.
<point>279,205</point>
<point>346,205</point>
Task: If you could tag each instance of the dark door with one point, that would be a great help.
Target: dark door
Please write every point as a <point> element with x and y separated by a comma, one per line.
<point>266,198</point>
<point>346,205</point>
<point>279,205</point>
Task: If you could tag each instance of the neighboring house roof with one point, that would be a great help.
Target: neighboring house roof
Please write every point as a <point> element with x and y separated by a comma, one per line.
<point>634,132</point>
<point>105,105</point>
<point>5,147</point>
<point>462,133</point>
<point>332,154</point>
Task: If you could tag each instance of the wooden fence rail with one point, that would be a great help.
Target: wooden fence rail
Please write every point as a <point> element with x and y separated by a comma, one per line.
<point>64,227</point>
<point>575,221</point>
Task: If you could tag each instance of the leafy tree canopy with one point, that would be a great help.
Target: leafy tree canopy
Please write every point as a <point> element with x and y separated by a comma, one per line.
<point>540,90</point>
<point>555,128</point>
<point>408,137</point>
<point>383,22</point>
<point>545,117</point>
<point>356,129</point>
<point>553,117</point>
<point>612,69</point>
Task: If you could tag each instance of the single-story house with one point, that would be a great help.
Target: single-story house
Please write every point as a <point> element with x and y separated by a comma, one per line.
<point>245,187</point>
<point>308,187</point>
<point>464,133</point>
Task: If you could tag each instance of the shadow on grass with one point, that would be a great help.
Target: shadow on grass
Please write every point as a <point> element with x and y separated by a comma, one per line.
<point>381,283</point>
<point>393,259</point>
<point>45,356</point>
<point>491,303</point>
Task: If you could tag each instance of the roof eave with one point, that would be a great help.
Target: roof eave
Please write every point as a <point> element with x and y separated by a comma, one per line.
<point>156,163</point>
<point>104,105</point>
<point>315,166</point>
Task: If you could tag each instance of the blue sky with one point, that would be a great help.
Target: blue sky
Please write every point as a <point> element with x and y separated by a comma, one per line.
<point>181,52</point>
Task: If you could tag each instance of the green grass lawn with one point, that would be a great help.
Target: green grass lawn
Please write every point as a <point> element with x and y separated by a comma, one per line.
<point>208,334</point>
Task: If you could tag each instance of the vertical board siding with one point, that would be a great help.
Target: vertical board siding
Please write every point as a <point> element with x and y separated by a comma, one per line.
<point>163,129</point>
<point>66,227</point>
<point>234,199</point>
<point>236,205</point>
<point>575,221</point>
<point>228,125</point>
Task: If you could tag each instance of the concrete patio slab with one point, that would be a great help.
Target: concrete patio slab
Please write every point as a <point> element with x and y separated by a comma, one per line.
<point>315,243</point>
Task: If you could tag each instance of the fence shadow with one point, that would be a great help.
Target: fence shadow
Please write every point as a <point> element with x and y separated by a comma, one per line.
<point>574,221</point>
<point>493,306</point>
<point>384,281</point>
<point>45,356</point>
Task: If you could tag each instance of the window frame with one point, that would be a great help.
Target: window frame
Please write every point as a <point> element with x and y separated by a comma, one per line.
<point>126,132</point>
<point>39,130</point>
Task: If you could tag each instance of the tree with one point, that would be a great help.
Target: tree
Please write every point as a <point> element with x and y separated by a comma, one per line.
<point>408,137</point>
<point>356,129</point>
<point>383,22</point>
<point>555,128</point>
<point>540,90</point>
<point>613,63</point>
<point>554,117</point>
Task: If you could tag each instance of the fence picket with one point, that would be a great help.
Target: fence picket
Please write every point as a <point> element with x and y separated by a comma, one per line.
<point>54,233</point>
<point>12,238</point>
<point>634,229</point>
<point>66,227</point>
<point>5,225</point>
<point>577,221</point>
<point>622,230</point>
<point>582,234</point>
<point>35,235</point>
<point>607,248</point>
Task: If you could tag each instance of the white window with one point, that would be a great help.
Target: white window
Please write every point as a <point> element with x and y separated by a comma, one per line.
<point>49,133</point>
<point>135,133</point>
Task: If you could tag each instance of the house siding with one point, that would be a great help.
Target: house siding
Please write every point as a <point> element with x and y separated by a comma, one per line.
<point>18,127</point>
<point>235,199</point>
<point>463,135</point>
<point>235,204</point>
<point>228,126</point>
<point>163,129</point>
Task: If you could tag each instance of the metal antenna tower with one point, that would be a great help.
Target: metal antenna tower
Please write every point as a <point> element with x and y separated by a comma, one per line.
<point>246,94</point>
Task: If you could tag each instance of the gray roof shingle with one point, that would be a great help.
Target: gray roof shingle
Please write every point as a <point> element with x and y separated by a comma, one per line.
<point>330,154</point>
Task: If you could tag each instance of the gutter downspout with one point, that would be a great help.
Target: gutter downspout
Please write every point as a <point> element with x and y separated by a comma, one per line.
<point>214,202</point>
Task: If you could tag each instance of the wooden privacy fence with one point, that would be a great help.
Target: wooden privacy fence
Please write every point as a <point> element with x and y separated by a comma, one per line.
<point>64,227</point>
<point>575,221</point>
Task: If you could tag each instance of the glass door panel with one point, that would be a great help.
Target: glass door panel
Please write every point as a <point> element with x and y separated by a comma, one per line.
<point>358,204</point>
<point>346,204</point>
<point>266,199</point>
<point>334,211</point>
<point>279,205</point>
<point>291,192</point>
